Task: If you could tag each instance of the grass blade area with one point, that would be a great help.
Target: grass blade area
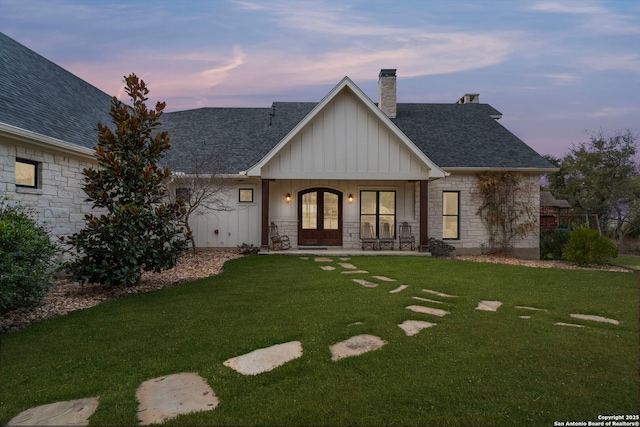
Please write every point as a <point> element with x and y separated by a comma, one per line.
<point>473,368</point>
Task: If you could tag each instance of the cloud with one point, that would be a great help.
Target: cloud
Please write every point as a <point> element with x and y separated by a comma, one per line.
<point>617,62</point>
<point>558,78</point>
<point>596,19</point>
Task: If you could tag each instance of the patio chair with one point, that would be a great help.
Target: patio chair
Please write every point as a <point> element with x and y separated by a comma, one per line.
<point>386,237</point>
<point>405,239</point>
<point>278,242</point>
<point>367,237</point>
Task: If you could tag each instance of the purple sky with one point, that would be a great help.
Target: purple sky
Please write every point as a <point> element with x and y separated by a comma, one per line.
<point>557,70</point>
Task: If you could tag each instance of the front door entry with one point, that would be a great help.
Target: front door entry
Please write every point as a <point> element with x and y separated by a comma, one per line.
<point>320,217</point>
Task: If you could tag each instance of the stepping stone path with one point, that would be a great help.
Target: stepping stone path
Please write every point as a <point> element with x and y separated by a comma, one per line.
<point>327,268</point>
<point>489,305</point>
<point>355,272</point>
<point>524,307</point>
<point>568,324</point>
<point>69,413</point>
<point>265,359</point>
<point>365,283</point>
<point>167,397</point>
<point>355,346</point>
<point>427,300</point>
<point>525,317</point>
<point>323,259</point>
<point>399,289</point>
<point>348,266</point>
<point>440,294</point>
<point>412,327</point>
<point>384,279</point>
<point>595,318</point>
<point>427,310</point>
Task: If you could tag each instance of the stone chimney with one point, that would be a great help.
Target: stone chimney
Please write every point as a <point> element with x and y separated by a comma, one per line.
<point>469,98</point>
<point>387,92</point>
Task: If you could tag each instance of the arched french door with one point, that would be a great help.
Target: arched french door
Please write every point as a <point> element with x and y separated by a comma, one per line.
<point>320,217</point>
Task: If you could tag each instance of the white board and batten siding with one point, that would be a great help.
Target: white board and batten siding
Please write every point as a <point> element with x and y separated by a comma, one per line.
<point>345,140</point>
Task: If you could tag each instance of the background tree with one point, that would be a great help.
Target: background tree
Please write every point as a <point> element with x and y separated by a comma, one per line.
<point>506,208</point>
<point>139,230</point>
<point>602,176</point>
<point>202,189</point>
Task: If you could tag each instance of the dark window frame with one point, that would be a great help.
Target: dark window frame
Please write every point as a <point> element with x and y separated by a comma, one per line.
<point>37,168</point>
<point>377,215</point>
<point>240,190</point>
<point>456,215</point>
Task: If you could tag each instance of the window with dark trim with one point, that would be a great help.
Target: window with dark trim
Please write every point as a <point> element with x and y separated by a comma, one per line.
<point>27,172</point>
<point>378,208</point>
<point>245,195</point>
<point>450,215</point>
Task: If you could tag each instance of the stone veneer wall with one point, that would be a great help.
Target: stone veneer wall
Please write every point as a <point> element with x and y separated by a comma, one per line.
<point>60,201</point>
<point>473,234</point>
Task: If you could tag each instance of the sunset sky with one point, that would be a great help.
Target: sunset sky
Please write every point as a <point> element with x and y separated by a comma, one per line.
<point>557,70</point>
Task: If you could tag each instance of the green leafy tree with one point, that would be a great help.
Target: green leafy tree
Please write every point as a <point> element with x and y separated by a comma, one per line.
<point>27,258</point>
<point>602,176</point>
<point>139,230</point>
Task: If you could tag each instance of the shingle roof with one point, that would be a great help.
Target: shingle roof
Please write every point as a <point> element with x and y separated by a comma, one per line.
<point>235,138</point>
<point>465,135</point>
<point>39,96</point>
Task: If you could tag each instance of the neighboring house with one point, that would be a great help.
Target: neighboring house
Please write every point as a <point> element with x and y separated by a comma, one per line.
<point>317,170</point>
<point>551,211</point>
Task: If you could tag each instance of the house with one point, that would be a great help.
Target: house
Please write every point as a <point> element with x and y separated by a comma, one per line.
<point>318,170</point>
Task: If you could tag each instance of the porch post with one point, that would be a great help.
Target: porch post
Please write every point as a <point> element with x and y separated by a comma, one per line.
<point>424,216</point>
<point>264,241</point>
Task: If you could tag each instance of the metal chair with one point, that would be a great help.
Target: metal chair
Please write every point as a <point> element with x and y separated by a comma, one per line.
<point>386,240</point>
<point>278,242</point>
<point>405,239</point>
<point>367,237</point>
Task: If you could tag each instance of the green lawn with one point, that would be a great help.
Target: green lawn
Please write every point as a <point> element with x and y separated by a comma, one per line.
<point>474,368</point>
<point>627,261</point>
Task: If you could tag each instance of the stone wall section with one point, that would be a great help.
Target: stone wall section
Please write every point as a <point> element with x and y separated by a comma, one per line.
<point>474,237</point>
<point>59,201</point>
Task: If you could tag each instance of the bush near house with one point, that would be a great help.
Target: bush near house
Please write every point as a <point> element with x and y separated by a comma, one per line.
<point>586,246</point>
<point>552,244</point>
<point>26,258</point>
<point>439,248</point>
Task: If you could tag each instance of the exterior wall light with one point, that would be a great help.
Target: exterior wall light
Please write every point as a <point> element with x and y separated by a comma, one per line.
<point>350,198</point>
<point>288,197</point>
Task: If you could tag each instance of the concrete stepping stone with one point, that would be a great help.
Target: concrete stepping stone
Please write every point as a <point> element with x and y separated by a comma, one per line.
<point>355,272</point>
<point>427,300</point>
<point>525,317</point>
<point>399,289</point>
<point>355,346</point>
<point>524,307</point>
<point>440,294</point>
<point>304,257</point>
<point>323,259</point>
<point>327,267</point>
<point>348,266</point>
<point>344,259</point>
<point>384,279</point>
<point>412,327</point>
<point>427,310</point>
<point>595,318</point>
<point>568,324</point>
<point>365,283</point>
<point>172,395</point>
<point>68,413</point>
<point>488,305</point>
<point>265,359</point>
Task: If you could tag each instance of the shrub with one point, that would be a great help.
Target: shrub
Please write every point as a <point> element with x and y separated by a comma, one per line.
<point>26,258</point>
<point>246,249</point>
<point>438,248</point>
<point>552,244</point>
<point>586,246</point>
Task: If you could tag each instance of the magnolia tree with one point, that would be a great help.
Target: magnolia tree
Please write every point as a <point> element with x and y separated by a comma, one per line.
<point>139,229</point>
